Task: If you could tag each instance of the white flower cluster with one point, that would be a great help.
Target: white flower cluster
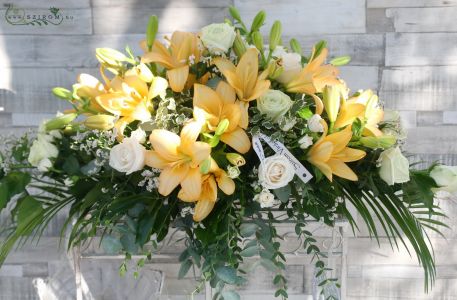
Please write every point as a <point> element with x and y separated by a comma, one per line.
<point>150,179</point>
<point>93,140</point>
<point>43,149</point>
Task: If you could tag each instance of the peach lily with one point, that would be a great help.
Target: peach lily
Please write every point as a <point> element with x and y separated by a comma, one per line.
<point>313,78</point>
<point>330,154</point>
<point>129,97</point>
<point>179,158</point>
<point>244,78</point>
<point>372,113</point>
<point>183,46</point>
<point>208,197</point>
<point>211,107</point>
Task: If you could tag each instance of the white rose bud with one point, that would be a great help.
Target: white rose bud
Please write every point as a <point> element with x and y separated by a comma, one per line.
<point>305,141</point>
<point>265,198</point>
<point>218,37</point>
<point>128,156</point>
<point>446,178</point>
<point>394,166</point>
<point>275,172</point>
<point>139,135</point>
<point>274,104</point>
<point>314,123</point>
<point>41,149</point>
<point>291,63</point>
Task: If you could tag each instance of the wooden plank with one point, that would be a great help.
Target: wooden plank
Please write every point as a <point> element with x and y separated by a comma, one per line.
<point>423,19</point>
<point>162,3</point>
<point>420,88</point>
<point>364,49</point>
<point>360,77</point>
<point>67,51</point>
<point>430,118</point>
<point>378,22</point>
<point>450,117</point>
<point>304,17</point>
<point>409,3</point>
<point>31,92</point>
<point>61,4</point>
<point>134,20</point>
<point>436,140</point>
<point>420,49</point>
<point>69,21</point>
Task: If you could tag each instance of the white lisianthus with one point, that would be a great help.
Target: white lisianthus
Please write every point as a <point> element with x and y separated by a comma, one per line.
<point>446,178</point>
<point>42,149</point>
<point>265,198</point>
<point>305,141</point>
<point>314,123</point>
<point>275,172</point>
<point>128,156</point>
<point>139,135</point>
<point>291,63</point>
<point>233,172</point>
<point>218,37</point>
<point>274,104</point>
<point>394,167</point>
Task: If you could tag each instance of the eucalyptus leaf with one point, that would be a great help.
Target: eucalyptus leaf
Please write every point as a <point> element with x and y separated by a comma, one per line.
<point>111,244</point>
<point>230,295</point>
<point>250,251</point>
<point>283,193</point>
<point>227,274</point>
<point>248,229</point>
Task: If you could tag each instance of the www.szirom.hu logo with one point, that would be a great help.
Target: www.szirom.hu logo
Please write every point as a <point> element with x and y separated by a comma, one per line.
<point>18,16</point>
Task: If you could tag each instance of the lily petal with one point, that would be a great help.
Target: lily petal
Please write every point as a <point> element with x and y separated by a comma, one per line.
<point>226,92</point>
<point>225,183</point>
<point>192,183</point>
<point>165,143</point>
<point>238,140</point>
<point>203,209</point>
<point>154,160</point>
<point>170,178</point>
<point>340,169</point>
<point>207,99</point>
<point>178,77</point>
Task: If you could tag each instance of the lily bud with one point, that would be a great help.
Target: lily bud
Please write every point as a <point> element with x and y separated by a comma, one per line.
<point>205,166</point>
<point>275,69</point>
<point>331,99</point>
<point>62,93</point>
<point>238,45</point>
<point>235,13</point>
<point>295,46</point>
<point>110,58</point>
<point>257,39</point>
<point>275,35</point>
<point>383,142</point>
<point>235,159</point>
<point>222,127</point>
<point>151,31</point>
<point>100,122</point>
<point>340,60</point>
<point>258,21</point>
<point>60,121</point>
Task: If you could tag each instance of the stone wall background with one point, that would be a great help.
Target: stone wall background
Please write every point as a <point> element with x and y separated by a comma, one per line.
<point>404,49</point>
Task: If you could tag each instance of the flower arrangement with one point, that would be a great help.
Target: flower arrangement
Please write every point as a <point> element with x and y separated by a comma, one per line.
<point>214,133</point>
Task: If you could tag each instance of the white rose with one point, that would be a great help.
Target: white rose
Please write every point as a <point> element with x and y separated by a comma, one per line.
<point>305,141</point>
<point>274,104</point>
<point>265,198</point>
<point>275,172</point>
<point>446,178</point>
<point>314,123</point>
<point>128,156</point>
<point>291,63</point>
<point>41,149</point>
<point>394,166</point>
<point>218,37</point>
<point>44,165</point>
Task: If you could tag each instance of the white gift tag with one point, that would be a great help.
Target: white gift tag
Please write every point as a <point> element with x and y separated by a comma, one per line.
<point>280,149</point>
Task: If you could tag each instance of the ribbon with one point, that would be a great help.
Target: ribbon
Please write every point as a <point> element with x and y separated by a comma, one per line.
<point>280,149</point>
